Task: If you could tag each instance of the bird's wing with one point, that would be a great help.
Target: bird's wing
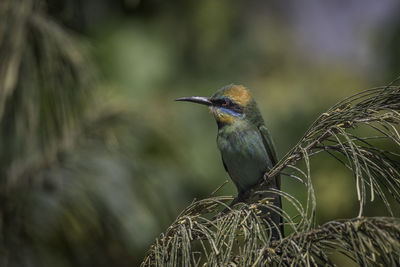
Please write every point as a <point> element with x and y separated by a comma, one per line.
<point>268,143</point>
<point>270,147</point>
<point>226,168</point>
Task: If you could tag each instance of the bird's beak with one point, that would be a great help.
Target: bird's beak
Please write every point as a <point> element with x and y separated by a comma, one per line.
<point>196,99</point>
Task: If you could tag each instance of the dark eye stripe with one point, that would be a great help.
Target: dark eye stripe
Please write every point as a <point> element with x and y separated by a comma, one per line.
<point>237,108</point>
<point>229,104</point>
<point>218,102</point>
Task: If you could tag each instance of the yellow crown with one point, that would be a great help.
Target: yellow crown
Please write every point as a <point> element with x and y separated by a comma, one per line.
<point>239,94</point>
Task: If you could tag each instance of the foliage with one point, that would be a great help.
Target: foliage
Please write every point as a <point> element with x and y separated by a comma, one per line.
<point>47,110</point>
<point>239,236</point>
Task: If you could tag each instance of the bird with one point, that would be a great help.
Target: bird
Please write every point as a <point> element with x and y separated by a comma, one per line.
<point>245,143</point>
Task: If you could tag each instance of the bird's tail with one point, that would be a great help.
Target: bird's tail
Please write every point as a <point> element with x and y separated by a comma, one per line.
<point>270,209</point>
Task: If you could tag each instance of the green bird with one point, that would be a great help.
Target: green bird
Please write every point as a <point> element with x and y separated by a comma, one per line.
<point>245,143</point>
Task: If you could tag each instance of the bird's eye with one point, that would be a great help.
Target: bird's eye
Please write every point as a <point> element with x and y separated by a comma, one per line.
<point>225,103</point>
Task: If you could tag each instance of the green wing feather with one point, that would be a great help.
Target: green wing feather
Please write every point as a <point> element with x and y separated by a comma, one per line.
<point>269,143</point>
<point>270,147</point>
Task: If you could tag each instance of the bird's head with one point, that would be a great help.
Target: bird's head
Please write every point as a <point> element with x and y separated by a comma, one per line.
<point>229,104</point>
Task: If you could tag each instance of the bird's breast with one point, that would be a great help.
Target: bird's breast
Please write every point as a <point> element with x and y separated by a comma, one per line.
<point>243,152</point>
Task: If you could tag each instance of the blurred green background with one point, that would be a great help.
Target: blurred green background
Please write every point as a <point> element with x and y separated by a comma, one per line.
<point>121,180</point>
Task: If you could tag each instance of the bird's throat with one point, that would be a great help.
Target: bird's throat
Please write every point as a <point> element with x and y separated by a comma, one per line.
<point>225,116</point>
<point>226,119</point>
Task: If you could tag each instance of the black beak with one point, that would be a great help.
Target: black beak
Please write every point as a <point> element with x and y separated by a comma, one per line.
<point>196,99</point>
